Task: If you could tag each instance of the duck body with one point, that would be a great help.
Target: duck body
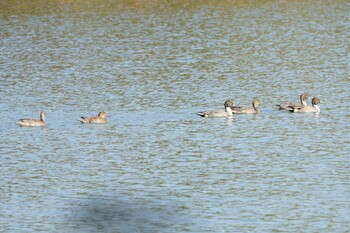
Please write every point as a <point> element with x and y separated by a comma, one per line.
<point>33,122</point>
<point>227,112</point>
<point>288,105</point>
<point>215,113</point>
<point>101,118</point>
<point>307,109</point>
<point>247,110</point>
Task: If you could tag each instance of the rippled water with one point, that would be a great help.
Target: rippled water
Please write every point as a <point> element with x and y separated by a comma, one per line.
<point>156,166</point>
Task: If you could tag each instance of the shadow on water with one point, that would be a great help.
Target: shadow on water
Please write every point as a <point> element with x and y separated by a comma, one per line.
<point>101,214</point>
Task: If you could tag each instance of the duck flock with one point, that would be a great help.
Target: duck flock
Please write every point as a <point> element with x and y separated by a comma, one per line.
<point>229,110</point>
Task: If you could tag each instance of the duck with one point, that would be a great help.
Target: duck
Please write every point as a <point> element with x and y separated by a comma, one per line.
<point>227,112</point>
<point>33,122</point>
<point>307,109</point>
<point>247,110</point>
<point>101,118</point>
<point>286,106</point>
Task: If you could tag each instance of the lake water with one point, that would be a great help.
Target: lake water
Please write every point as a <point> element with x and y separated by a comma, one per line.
<point>157,166</point>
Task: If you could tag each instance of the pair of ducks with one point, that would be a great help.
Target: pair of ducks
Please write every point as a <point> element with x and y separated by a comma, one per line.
<point>302,107</point>
<point>101,118</point>
<point>230,109</point>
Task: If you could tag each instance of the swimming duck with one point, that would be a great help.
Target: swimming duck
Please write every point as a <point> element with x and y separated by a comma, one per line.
<point>227,112</point>
<point>286,106</point>
<point>99,119</point>
<point>314,108</point>
<point>32,122</point>
<point>247,110</point>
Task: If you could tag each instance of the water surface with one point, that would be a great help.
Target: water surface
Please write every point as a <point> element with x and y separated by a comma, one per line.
<point>156,166</point>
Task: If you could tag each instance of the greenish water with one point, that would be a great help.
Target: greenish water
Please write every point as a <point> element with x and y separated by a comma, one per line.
<point>156,166</point>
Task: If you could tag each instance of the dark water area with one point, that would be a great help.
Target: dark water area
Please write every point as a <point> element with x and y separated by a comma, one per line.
<point>156,166</point>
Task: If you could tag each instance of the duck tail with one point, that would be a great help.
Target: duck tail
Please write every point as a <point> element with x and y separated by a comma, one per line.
<point>278,106</point>
<point>202,114</point>
<point>83,120</point>
<point>290,109</point>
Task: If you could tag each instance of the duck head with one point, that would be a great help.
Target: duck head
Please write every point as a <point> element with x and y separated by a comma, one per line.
<point>256,103</point>
<point>42,116</point>
<point>102,115</point>
<point>316,101</point>
<point>304,96</point>
<point>228,103</point>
